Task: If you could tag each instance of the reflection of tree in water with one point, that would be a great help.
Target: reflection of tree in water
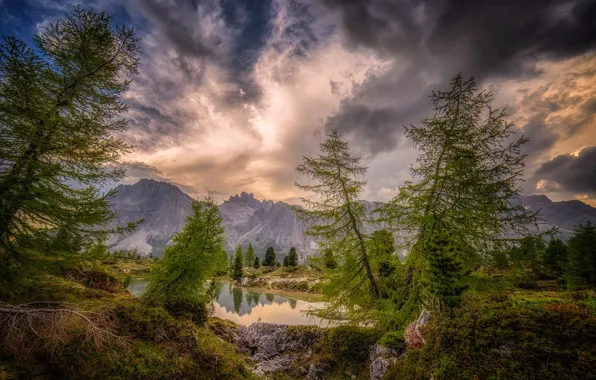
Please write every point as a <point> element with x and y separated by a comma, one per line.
<point>269,297</point>
<point>217,288</point>
<point>292,303</point>
<point>237,294</point>
<point>254,296</point>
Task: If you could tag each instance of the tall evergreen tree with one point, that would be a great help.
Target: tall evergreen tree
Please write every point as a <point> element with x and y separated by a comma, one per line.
<point>329,259</point>
<point>238,271</point>
<point>465,180</point>
<point>257,263</point>
<point>286,262</point>
<point>445,272</point>
<point>336,216</point>
<point>60,115</point>
<point>555,257</point>
<point>178,280</point>
<point>292,258</point>
<point>581,264</point>
<point>269,257</point>
<point>249,258</point>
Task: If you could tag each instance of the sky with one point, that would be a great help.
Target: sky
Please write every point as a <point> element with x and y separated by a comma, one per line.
<point>231,94</point>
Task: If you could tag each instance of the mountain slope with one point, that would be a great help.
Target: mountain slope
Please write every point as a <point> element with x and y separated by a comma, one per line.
<point>165,208</point>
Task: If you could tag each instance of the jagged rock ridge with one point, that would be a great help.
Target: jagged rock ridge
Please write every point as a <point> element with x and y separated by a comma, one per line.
<point>164,208</point>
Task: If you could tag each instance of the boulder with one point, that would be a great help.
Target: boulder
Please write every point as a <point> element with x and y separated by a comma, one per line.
<point>412,335</point>
<point>381,358</point>
<point>275,346</point>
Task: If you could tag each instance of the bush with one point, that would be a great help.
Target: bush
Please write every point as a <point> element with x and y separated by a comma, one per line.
<point>518,336</point>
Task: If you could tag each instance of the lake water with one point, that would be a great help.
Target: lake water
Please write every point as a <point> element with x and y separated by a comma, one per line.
<point>245,306</point>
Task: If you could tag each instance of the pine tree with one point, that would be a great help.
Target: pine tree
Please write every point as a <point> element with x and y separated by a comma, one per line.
<point>269,258</point>
<point>528,253</point>
<point>249,258</point>
<point>329,259</point>
<point>465,180</point>
<point>178,280</point>
<point>257,263</point>
<point>337,217</point>
<point>581,265</point>
<point>286,262</point>
<point>61,106</point>
<point>238,271</point>
<point>555,257</point>
<point>292,258</point>
<point>445,272</point>
<point>382,248</point>
<point>221,265</point>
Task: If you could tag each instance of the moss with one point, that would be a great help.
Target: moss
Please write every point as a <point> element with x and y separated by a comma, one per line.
<point>158,345</point>
<point>393,339</point>
<point>517,335</point>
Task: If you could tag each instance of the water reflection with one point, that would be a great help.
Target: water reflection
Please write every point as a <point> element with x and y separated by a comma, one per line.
<point>246,306</point>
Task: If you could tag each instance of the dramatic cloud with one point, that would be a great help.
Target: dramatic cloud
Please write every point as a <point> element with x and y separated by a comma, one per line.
<point>231,94</point>
<point>571,173</point>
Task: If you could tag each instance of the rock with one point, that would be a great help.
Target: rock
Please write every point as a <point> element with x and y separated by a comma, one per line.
<point>412,336</point>
<point>381,358</point>
<point>275,346</point>
<point>277,363</point>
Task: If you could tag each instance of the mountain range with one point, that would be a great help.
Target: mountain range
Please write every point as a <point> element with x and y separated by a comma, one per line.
<point>164,208</point>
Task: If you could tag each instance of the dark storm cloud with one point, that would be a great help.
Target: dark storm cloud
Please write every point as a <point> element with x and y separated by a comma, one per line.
<point>541,137</point>
<point>177,21</point>
<point>571,173</point>
<point>437,39</point>
<point>364,123</point>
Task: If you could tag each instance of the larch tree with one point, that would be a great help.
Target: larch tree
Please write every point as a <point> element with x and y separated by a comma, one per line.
<point>60,115</point>
<point>465,180</point>
<point>336,219</point>
<point>580,269</point>
<point>179,278</point>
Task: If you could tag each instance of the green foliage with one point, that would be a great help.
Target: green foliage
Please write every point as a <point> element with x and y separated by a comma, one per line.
<point>61,106</point>
<point>269,258</point>
<point>336,219</point>
<point>467,173</point>
<point>350,343</point>
<point>581,261</point>
<point>520,336</point>
<point>292,258</point>
<point>238,270</point>
<point>393,340</point>
<point>445,272</point>
<point>329,259</point>
<point>257,263</point>
<point>529,253</point>
<point>249,258</point>
<point>178,280</point>
<point>555,257</point>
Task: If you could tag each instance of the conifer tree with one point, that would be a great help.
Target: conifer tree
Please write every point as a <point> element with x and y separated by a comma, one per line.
<point>555,257</point>
<point>238,271</point>
<point>329,259</point>
<point>286,262</point>
<point>178,280</point>
<point>581,260</point>
<point>446,273</point>
<point>292,258</point>
<point>269,258</point>
<point>335,215</point>
<point>465,180</point>
<point>257,263</point>
<point>60,111</point>
<point>249,258</point>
